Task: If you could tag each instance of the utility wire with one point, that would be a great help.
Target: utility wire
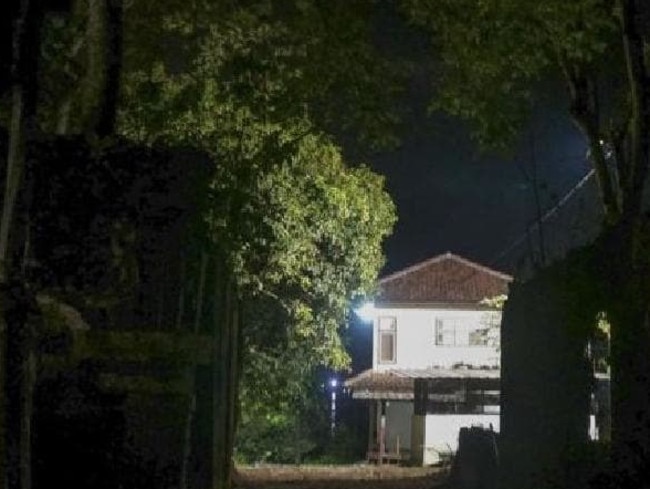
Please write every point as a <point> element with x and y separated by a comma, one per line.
<point>548,214</point>
<point>520,239</point>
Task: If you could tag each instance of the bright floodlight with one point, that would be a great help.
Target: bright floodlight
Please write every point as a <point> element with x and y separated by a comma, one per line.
<point>366,312</point>
<point>333,382</point>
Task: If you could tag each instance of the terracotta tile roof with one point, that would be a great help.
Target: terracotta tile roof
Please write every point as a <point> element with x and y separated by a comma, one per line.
<point>399,383</point>
<point>392,384</point>
<point>442,279</point>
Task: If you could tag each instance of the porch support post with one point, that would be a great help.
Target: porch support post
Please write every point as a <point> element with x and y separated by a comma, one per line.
<point>372,425</point>
<point>382,432</point>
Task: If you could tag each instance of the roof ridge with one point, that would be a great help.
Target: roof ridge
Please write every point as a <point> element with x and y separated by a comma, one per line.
<point>484,268</point>
<point>449,256</point>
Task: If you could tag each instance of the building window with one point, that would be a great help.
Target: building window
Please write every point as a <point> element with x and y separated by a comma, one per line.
<point>387,339</point>
<point>455,332</point>
<point>478,337</point>
<point>445,332</point>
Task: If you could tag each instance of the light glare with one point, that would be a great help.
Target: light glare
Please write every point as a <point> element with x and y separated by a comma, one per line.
<point>366,312</point>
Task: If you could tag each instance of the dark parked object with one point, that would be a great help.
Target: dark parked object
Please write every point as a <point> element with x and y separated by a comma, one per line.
<point>476,462</point>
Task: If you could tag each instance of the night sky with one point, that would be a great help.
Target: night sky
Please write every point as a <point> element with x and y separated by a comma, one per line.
<point>451,196</point>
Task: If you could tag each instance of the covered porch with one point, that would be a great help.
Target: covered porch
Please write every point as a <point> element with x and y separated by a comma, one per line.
<point>406,406</point>
<point>389,397</point>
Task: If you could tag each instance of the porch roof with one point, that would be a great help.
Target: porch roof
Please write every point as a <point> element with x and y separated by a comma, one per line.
<point>399,384</point>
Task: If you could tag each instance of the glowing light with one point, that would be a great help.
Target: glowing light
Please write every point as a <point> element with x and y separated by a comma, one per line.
<point>366,312</point>
<point>334,383</point>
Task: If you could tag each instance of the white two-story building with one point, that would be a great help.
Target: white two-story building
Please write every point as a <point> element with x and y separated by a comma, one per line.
<point>436,358</point>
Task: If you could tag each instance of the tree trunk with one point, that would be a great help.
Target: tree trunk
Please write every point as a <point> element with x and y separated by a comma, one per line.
<point>226,381</point>
<point>17,363</point>
<point>100,92</point>
<point>192,373</point>
<point>111,89</point>
<point>629,314</point>
<point>20,368</point>
<point>630,265</point>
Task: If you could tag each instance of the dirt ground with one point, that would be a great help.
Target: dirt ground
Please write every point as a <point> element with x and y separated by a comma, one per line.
<point>339,477</point>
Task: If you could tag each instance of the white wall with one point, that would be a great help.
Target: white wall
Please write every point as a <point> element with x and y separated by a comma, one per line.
<point>415,340</point>
<point>441,433</point>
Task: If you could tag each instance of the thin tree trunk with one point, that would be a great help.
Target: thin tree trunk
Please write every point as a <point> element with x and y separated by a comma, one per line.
<point>26,41</point>
<point>100,92</point>
<point>16,349</point>
<point>635,41</point>
<point>191,405</point>
<point>92,89</point>
<point>220,392</point>
<point>226,381</point>
<point>21,378</point>
<point>64,110</point>
<point>234,367</point>
<point>111,88</point>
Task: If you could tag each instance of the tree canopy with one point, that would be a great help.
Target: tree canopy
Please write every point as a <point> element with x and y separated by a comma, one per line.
<point>261,87</point>
<point>257,86</point>
<point>496,56</point>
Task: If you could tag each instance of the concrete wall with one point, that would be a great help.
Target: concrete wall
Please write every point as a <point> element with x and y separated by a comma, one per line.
<point>545,382</point>
<point>436,435</point>
<point>416,343</point>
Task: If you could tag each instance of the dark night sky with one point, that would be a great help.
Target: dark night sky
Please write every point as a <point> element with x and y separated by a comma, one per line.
<point>452,197</point>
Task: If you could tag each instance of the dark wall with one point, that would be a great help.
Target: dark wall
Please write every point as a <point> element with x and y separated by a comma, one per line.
<point>546,380</point>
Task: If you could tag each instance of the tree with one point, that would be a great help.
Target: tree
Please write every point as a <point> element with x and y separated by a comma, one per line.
<point>16,339</point>
<point>254,85</point>
<point>307,240</point>
<point>18,328</point>
<point>259,85</point>
<point>285,59</point>
<point>493,57</point>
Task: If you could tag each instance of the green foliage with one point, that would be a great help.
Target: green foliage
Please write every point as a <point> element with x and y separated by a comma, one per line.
<point>186,65</point>
<point>345,447</point>
<point>494,52</point>
<point>307,232</point>
<point>258,86</point>
<point>495,302</point>
<point>280,428</point>
<point>296,224</point>
<point>241,83</point>
<point>600,344</point>
<point>266,62</point>
<point>306,241</point>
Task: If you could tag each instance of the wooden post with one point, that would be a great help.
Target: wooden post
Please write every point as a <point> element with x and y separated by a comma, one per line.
<point>372,424</point>
<point>382,432</point>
